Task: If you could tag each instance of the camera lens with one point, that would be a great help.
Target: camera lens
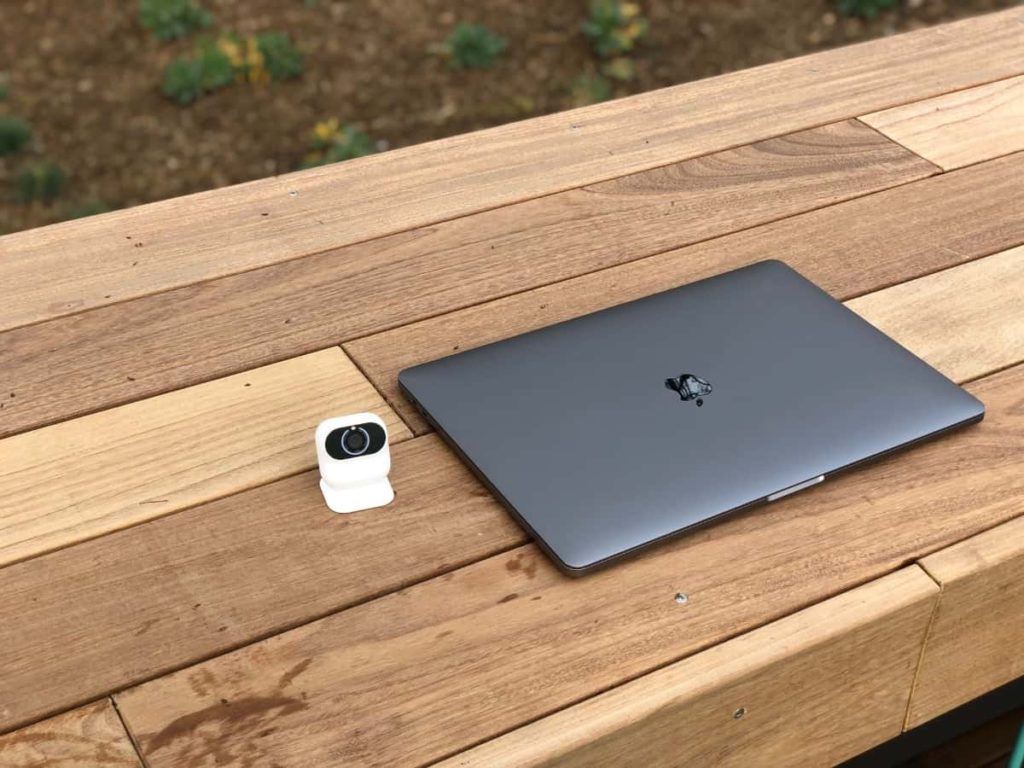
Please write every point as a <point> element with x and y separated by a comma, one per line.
<point>355,441</point>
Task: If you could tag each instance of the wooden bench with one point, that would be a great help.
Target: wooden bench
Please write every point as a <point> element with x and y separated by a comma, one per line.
<point>171,583</point>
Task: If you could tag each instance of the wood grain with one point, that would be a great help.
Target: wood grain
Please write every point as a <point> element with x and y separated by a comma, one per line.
<point>100,473</point>
<point>282,524</point>
<point>131,605</point>
<point>138,348</point>
<point>975,642</point>
<point>92,262</point>
<point>802,684</point>
<point>433,669</point>
<point>848,249</point>
<point>89,737</point>
<point>960,128</point>
<point>966,321</point>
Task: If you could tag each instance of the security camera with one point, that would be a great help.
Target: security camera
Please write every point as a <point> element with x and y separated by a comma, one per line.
<point>354,462</point>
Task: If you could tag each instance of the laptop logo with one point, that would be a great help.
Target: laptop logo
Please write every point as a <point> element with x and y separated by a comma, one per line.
<point>689,387</point>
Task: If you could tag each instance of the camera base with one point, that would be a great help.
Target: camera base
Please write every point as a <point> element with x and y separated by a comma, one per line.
<point>356,498</point>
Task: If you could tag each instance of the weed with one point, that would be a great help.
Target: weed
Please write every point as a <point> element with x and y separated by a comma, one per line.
<point>280,56</point>
<point>867,9</point>
<point>171,19</point>
<point>332,143</point>
<point>41,181</point>
<point>189,77</point>
<point>620,68</point>
<point>14,134</point>
<point>84,208</point>
<point>471,46</point>
<point>614,27</point>
<point>590,88</point>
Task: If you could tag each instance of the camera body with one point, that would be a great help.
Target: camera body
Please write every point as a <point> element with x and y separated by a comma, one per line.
<point>354,462</point>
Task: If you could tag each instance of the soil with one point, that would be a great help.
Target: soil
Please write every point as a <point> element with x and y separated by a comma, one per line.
<point>87,76</point>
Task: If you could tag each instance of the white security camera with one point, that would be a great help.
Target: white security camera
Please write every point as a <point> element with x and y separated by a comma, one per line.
<point>354,462</point>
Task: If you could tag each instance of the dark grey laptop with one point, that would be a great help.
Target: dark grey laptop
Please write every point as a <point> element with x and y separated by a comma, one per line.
<point>611,431</point>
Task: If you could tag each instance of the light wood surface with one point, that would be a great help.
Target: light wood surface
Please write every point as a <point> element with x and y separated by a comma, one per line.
<point>792,693</point>
<point>976,642</point>
<point>89,737</point>
<point>966,321</point>
<point>227,573</point>
<point>848,249</point>
<point>100,473</point>
<point>316,562</point>
<point>428,671</point>
<point>91,262</point>
<point>959,128</point>
<point>135,349</point>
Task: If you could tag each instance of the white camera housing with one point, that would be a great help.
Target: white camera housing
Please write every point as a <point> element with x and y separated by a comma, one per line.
<point>354,461</point>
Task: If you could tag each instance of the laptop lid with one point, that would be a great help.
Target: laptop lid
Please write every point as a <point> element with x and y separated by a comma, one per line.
<point>617,429</point>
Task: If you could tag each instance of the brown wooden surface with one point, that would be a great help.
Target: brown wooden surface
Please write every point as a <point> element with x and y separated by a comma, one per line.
<point>90,737</point>
<point>988,745</point>
<point>848,249</point>
<point>960,128</point>
<point>227,573</point>
<point>976,642</point>
<point>930,315</point>
<point>800,684</point>
<point>122,352</point>
<point>433,669</point>
<point>442,520</point>
<point>100,473</point>
<point>202,236</point>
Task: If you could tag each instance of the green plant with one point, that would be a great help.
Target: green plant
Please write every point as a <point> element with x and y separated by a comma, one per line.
<point>620,68</point>
<point>590,88</point>
<point>14,134</point>
<point>867,9</point>
<point>280,56</point>
<point>188,78</point>
<point>332,143</point>
<point>614,27</point>
<point>41,181</point>
<point>471,46</point>
<point>171,19</point>
<point>85,208</point>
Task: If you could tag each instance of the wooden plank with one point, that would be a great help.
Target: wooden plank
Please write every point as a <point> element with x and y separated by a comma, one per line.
<point>91,262</point>
<point>423,673</point>
<point>211,556</point>
<point>135,349</point>
<point>975,642</point>
<point>110,470</point>
<point>848,249</point>
<point>931,315</point>
<point>131,605</point>
<point>987,745</point>
<point>960,128</point>
<point>89,737</point>
<point>791,693</point>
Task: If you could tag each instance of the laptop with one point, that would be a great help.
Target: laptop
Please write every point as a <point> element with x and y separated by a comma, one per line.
<point>612,431</point>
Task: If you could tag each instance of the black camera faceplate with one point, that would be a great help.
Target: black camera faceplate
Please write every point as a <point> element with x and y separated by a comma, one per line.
<point>333,442</point>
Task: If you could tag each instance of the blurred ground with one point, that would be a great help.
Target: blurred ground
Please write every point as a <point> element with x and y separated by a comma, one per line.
<point>86,76</point>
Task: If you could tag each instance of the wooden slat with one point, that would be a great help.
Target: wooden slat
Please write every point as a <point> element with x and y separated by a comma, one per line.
<point>433,669</point>
<point>210,555</point>
<point>131,605</point>
<point>802,684</point>
<point>930,316</point>
<point>73,266</point>
<point>90,737</point>
<point>134,349</point>
<point>976,642</point>
<point>83,478</point>
<point>957,129</point>
<point>987,745</point>
<point>848,249</point>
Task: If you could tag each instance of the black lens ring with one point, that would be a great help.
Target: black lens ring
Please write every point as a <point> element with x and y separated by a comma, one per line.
<point>366,441</point>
